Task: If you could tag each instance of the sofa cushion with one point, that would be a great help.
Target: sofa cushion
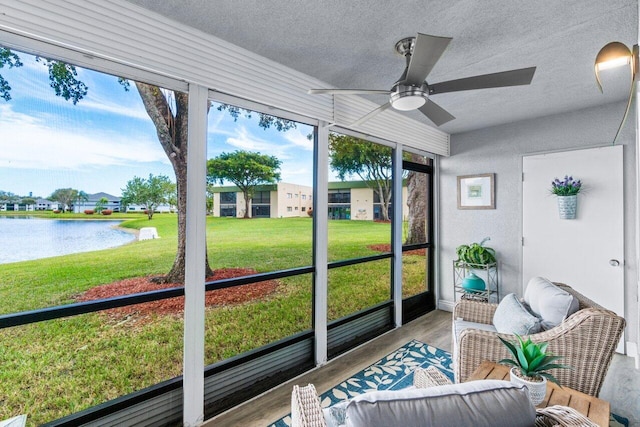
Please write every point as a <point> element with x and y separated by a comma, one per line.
<point>549,302</point>
<point>511,317</point>
<point>489,403</point>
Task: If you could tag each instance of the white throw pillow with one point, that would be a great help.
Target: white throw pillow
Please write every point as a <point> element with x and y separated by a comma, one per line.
<point>511,317</point>
<point>549,302</point>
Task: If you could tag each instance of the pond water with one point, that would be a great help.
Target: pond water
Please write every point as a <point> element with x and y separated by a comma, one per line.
<point>27,238</point>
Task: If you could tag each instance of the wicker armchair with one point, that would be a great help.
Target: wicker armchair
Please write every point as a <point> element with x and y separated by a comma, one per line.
<point>586,340</point>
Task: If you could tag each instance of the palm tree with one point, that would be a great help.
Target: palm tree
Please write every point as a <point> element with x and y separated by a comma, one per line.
<point>101,204</point>
<point>81,197</point>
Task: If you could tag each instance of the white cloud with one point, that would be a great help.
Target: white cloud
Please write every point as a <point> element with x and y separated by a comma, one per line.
<point>213,125</point>
<point>244,140</point>
<point>95,103</point>
<point>299,139</point>
<point>32,79</point>
<point>33,142</point>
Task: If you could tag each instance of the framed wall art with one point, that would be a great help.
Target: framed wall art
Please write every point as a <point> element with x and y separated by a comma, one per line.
<point>476,191</point>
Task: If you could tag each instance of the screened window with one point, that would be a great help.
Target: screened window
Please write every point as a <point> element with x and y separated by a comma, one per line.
<point>263,197</point>
<point>339,196</point>
<point>76,162</point>
<point>228,197</point>
<point>262,238</point>
<point>417,255</point>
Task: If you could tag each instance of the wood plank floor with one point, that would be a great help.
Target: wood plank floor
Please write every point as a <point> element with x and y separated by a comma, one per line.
<point>433,328</point>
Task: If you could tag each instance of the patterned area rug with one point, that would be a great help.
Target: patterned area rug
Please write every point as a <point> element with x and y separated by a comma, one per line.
<point>394,372</point>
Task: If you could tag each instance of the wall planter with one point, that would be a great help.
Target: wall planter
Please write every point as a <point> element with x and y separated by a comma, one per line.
<point>567,193</point>
<point>567,206</point>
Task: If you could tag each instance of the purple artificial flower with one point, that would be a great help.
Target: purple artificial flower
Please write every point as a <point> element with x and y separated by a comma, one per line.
<point>567,187</point>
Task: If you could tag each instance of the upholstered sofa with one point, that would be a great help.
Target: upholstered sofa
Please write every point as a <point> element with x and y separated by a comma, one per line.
<point>586,336</point>
<point>487,403</point>
<point>433,401</point>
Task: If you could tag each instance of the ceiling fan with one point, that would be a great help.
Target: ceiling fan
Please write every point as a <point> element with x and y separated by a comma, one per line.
<point>411,91</point>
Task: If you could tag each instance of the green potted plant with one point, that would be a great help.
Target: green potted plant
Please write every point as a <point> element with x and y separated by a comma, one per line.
<point>530,366</point>
<point>476,253</point>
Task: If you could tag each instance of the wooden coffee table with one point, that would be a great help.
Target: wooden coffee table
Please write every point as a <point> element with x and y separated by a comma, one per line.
<point>597,410</point>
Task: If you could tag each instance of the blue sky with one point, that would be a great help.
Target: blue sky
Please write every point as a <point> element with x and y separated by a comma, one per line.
<point>107,138</point>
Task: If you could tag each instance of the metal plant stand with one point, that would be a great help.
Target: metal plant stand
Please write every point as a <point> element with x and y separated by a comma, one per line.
<point>488,272</point>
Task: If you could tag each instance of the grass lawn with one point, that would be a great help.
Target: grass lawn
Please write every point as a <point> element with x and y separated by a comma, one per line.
<point>54,368</point>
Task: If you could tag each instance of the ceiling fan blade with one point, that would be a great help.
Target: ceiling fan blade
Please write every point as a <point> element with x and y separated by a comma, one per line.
<point>348,91</point>
<point>367,116</point>
<point>426,52</point>
<point>436,113</point>
<point>519,77</point>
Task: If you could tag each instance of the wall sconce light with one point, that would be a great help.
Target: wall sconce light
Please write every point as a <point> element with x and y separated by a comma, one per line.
<point>616,54</point>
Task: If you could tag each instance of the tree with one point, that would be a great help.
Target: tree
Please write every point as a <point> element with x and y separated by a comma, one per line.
<point>150,192</point>
<point>246,170</point>
<point>80,199</point>
<point>101,204</point>
<point>169,112</point>
<point>210,195</point>
<point>417,203</point>
<point>371,162</point>
<point>8,197</point>
<point>10,60</point>
<point>64,196</point>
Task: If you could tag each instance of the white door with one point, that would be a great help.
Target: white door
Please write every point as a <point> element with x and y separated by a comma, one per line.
<point>586,253</point>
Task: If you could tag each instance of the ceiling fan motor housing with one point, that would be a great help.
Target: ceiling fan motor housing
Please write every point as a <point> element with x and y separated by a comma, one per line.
<point>406,98</point>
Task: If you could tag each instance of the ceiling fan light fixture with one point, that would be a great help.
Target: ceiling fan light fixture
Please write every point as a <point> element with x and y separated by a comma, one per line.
<point>408,102</point>
<point>407,98</point>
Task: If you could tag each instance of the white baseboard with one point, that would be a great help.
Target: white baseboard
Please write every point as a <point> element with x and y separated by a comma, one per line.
<point>632,351</point>
<point>446,305</point>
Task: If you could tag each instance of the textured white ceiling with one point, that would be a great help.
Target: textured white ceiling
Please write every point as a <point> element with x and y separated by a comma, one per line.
<point>350,44</point>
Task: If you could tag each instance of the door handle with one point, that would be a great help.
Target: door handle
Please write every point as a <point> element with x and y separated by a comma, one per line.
<point>614,262</point>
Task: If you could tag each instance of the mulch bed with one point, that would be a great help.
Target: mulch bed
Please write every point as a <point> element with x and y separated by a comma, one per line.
<point>386,247</point>
<point>175,306</point>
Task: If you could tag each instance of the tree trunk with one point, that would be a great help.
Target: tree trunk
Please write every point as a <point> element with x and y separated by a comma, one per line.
<point>385,200</point>
<point>417,204</point>
<point>173,137</point>
<point>247,212</point>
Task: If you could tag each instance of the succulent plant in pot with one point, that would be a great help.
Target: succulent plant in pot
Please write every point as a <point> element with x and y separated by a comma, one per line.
<point>530,366</point>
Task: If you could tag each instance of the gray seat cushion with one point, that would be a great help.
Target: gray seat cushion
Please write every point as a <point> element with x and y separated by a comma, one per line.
<point>460,325</point>
<point>486,403</point>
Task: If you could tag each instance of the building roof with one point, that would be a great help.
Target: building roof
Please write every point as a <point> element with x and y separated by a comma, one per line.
<point>97,196</point>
